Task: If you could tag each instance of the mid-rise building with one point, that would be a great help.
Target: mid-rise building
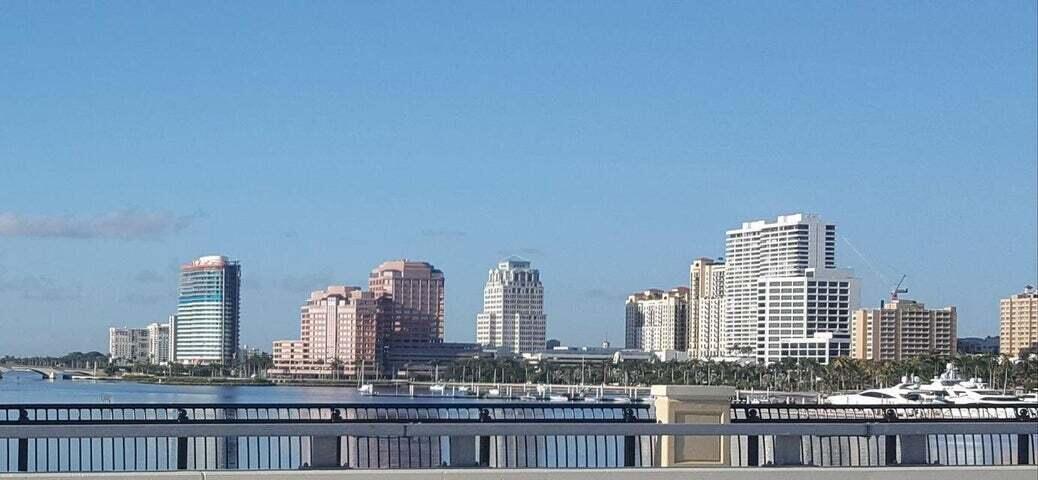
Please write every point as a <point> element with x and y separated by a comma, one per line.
<point>513,309</point>
<point>1018,330</point>
<point>410,307</point>
<point>158,342</point>
<point>128,345</point>
<point>806,316</point>
<point>706,336</point>
<point>657,320</point>
<point>205,328</point>
<point>337,336</point>
<point>901,329</point>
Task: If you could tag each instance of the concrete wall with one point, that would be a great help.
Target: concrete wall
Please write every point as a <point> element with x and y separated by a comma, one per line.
<point>1024,472</point>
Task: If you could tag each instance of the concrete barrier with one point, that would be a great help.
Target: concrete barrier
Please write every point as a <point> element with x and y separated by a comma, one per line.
<point>686,404</point>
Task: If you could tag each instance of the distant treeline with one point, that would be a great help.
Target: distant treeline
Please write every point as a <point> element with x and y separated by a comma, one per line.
<point>841,374</point>
<point>73,360</point>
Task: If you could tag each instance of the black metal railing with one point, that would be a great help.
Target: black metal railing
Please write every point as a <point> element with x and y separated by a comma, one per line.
<point>880,450</point>
<point>169,437</point>
<point>139,437</point>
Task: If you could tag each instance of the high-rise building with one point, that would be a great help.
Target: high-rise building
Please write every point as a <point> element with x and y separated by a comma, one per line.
<point>205,328</point>
<point>783,293</point>
<point>901,329</point>
<point>128,345</point>
<point>336,335</point>
<point>513,308</point>
<point>158,342</point>
<point>1019,323</point>
<point>410,306</point>
<point>786,247</point>
<point>657,320</point>
<point>706,309</point>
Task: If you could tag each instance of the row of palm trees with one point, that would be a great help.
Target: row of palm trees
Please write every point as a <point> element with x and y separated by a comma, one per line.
<point>842,374</point>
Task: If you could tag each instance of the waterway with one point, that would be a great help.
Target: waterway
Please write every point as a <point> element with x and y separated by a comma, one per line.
<point>20,387</point>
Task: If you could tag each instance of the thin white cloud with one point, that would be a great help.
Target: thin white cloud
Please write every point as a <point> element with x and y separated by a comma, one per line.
<point>123,224</point>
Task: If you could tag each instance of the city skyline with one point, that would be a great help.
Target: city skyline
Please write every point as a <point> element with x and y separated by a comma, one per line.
<point>610,145</point>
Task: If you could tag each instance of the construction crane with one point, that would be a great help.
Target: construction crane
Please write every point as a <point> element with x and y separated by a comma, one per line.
<point>898,289</point>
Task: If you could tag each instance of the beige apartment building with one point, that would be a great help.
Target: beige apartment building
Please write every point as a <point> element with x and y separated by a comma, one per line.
<point>1019,323</point>
<point>656,320</point>
<point>706,309</point>
<point>901,329</point>
<point>337,336</point>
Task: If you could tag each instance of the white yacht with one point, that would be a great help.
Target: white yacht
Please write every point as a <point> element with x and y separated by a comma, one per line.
<point>437,388</point>
<point>901,394</point>
<point>366,389</point>
<point>959,391</point>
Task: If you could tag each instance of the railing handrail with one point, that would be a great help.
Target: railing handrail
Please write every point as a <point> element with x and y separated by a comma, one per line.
<point>875,406</point>
<point>446,403</point>
<point>503,428</point>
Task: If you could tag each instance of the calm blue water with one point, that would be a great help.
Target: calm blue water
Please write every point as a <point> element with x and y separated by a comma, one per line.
<point>17,387</point>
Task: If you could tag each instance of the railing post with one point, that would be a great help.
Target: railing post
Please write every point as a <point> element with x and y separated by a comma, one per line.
<point>23,443</point>
<point>1023,440</point>
<point>181,442</point>
<point>326,451</point>
<point>890,441</point>
<point>890,449</point>
<point>630,442</point>
<point>691,405</point>
<point>752,441</point>
<point>230,444</point>
<point>484,440</point>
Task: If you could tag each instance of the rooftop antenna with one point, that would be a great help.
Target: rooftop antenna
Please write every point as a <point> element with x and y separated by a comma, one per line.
<point>897,290</point>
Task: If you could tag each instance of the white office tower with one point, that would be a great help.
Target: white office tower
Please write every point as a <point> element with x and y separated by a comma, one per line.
<point>657,320</point>
<point>764,255</point>
<point>706,309</point>
<point>513,308</point>
<point>807,316</point>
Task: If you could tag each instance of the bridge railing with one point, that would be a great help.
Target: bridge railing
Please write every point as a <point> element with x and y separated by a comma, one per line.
<point>968,435</point>
<point>149,437</point>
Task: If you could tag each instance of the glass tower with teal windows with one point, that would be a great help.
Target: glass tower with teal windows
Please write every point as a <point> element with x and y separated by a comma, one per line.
<point>205,329</point>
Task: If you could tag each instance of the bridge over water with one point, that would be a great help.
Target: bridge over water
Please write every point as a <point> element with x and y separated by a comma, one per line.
<point>49,373</point>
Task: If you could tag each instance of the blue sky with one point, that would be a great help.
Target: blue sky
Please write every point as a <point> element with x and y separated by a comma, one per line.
<point>609,142</point>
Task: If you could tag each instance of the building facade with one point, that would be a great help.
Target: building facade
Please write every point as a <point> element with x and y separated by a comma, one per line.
<point>783,248</point>
<point>902,329</point>
<point>128,345</point>
<point>337,336</point>
<point>806,316</point>
<point>977,346</point>
<point>513,309</point>
<point>1018,315</point>
<point>205,328</point>
<point>706,316</point>
<point>410,302</point>
<point>657,320</point>
<point>158,342</point>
